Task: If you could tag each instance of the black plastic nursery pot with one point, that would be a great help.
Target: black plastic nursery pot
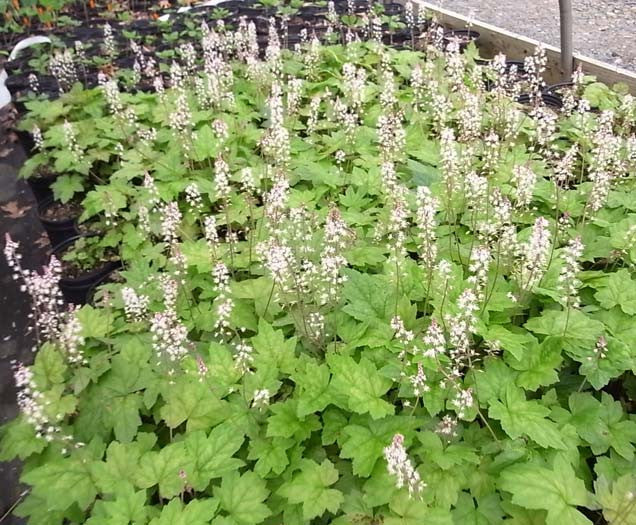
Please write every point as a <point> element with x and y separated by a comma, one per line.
<point>312,10</point>
<point>234,10</point>
<point>13,67</point>
<point>25,138</point>
<point>551,100</point>
<point>59,229</point>
<point>362,6</point>
<point>520,64</point>
<point>393,8</point>
<point>462,36</point>
<point>17,84</point>
<point>235,4</point>
<point>358,6</point>
<point>76,290</point>
<point>556,89</point>
<point>86,34</point>
<point>93,294</point>
<point>20,107</point>
<point>41,187</point>
<point>510,65</point>
<point>396,37</point>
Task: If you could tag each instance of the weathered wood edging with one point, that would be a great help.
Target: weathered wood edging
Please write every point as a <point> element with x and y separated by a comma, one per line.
<point>494,39</point>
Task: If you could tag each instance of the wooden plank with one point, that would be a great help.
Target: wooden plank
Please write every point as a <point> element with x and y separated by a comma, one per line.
<point>493,40</point>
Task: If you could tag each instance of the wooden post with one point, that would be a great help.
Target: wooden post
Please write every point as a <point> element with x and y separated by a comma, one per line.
<point>565,10</point>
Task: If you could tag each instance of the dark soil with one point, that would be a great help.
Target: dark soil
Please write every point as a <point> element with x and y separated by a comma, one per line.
<point>114,278</point>
<point>101,296</point>
<point>85,228</point>
<point>58,212</point>
<point>76,269</point>
<point>43,172</point>
<point>73,270</point>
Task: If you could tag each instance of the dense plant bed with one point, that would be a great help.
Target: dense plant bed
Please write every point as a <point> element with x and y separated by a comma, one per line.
<point>22,18</point>
<point>128,49</point>
<point>359,285</point>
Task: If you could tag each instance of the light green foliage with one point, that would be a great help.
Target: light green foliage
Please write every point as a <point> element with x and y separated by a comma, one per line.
<point>359,386</point>
<point>617,499</point>
<point>296,339</point>
<point>602,424</point>
<point>198,512</point>
<point>364,444</point>
<point>212,456</point>
<point>310,487</point>
<point>555,489</point>
<point>192,402</point>
<point>521,417</point>
<point>241,498</point>
<point>618,290</point>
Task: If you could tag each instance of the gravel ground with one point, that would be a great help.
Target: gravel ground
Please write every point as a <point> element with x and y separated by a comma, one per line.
<point>603,29</point>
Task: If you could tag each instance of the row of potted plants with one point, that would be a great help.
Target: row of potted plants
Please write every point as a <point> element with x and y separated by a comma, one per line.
<point>80,54</point>
<point>22,18</point>
<point>359,284</point>
<point>60,219</point>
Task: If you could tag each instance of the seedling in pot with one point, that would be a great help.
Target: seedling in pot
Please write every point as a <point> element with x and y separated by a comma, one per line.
<point>219,13</point>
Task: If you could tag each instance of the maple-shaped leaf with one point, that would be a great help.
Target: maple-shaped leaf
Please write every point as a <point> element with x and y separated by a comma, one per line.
<point>128,506</point>
<point>578,332</point>
<point>359,386</point>
<point>615,499</point>
<point>49,367</point>
<point>538,366</point>
<point>120,388</point>
<point>619,290</point>
<point>66,186</point>
<point>121,464</point>
<point>413,511</point>
<point>242,497</point>
<point>556,490</point>
<point>66,480</point>
<point>222,368</point>
<point>272,348</point>
<point>211,456</point>
<point>196,512</point>
<point>270,454</point>
<point>445,455</point>
<point>333,422</point>
<point>313,387</point>
<point>37,510</point>
<point>368,297</point>
<point>285,422</point>
<point>364,444</point>
<point>519,417</point>
<point>259,291</point>
<point>601,424</point>
<point>205,143</point>
<point>485,511</point>
<point>310,487</point>
<point>95,322</point>
<point>598,370</point>
<point>621,428</point>
<point>19,440</point>
<point>163,468</point>
<point>194,402</point>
